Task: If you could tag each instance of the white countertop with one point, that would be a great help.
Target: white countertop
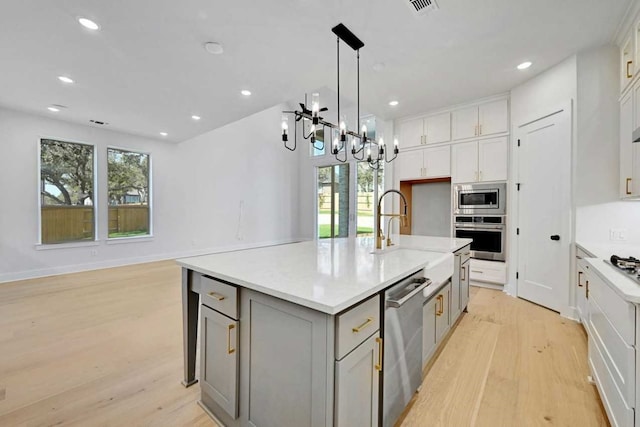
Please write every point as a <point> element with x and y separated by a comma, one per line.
<point>428,243</point>
<point>624,286</point>
<point>325,275</point>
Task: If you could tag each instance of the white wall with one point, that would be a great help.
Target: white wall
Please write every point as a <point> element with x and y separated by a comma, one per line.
<point>198,188</point>
<point>594,222</point>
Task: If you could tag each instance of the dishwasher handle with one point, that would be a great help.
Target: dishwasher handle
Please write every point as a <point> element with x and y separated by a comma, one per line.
<point>416,286</point>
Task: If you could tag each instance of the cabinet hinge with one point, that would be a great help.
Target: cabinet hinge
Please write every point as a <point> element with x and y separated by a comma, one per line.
<point>518,186</point>
<point>517,275</point>
<point>518,231</point>
<point>518,143</point>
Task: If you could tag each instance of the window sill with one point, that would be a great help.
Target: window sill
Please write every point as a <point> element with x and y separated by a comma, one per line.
<point>49,246</point>
<point>133,239</point>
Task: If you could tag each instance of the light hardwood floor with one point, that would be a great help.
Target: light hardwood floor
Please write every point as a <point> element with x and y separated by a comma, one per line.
<point>104,348</point>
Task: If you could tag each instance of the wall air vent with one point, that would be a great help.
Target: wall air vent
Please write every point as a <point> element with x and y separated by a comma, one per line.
<point>422,7</point>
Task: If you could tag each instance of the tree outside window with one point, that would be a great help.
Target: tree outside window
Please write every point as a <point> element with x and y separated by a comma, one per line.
<point>128,193</point>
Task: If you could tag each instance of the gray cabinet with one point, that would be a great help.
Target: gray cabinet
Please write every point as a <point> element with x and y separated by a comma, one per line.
<point>443,312</point>
<point>429,342</point>
<point>357,382</point>
<point>287,359</point>
<point>219,360</point>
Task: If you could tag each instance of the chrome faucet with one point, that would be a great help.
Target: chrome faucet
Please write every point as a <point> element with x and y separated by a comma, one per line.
<point>403,218</point>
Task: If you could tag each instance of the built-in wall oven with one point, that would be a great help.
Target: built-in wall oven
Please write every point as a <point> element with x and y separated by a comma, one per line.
<point>480,199</point>
<point>489,234</point>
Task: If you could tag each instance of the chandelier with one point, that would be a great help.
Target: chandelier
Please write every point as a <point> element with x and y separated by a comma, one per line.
<point>375,148</point>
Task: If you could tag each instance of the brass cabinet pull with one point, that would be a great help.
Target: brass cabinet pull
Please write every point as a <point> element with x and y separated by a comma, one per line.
<point>217,296</point>
<point>580,275</point>
<point>629,75</point>
<point>378,365</point>
<point>229,349</point>
<point>464,276</point>
<point>627,186</point>
<point>439,312</point>
<point>364,325</point>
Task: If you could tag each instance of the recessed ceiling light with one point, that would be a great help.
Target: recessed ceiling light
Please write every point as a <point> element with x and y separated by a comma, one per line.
<point>524,65</point>
<point>245,92</point>
<point>65,79</point>
<point>53,109</point>
<point>214,48</point>
<point>393,103</point>
<point>164,133</point>
<point>196,117</point>
<point>88,23</point>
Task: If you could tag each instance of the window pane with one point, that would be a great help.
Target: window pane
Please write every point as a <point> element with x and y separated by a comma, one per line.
<point>333,201</point>
<point>66,192</point>
<point>128,192</point>
<point>367,198</point>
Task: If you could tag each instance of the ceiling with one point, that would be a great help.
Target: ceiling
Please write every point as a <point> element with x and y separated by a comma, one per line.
<point>146,70</point>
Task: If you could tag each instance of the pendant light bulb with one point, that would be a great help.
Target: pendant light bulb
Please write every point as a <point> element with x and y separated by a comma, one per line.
<point>285,124</point>
<point>315,107</point>
<point>335,145</point>
<point>395,145</point>
<point>369,154</point>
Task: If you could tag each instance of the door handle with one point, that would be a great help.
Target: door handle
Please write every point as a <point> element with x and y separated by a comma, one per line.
<point>555,237</point>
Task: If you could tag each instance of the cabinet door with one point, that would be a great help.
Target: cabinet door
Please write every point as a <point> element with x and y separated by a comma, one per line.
<point>409,165</point>
<point>581,294</point>
<point>456,285</point>
<point>464,123</point>
<point>438,128</point>
<point>429,329</point>
<point>464,162</point>
<point>437,162</point>
<point>411,133</point>
<point>219,359</point>
<point>626,145</point>
<point>626,63</point>
<point>443,312</point>
<point>493,117</point>
<point>635,173</point>
<point>464,284</point>
<point>357,379</point>
<point>492,159</point>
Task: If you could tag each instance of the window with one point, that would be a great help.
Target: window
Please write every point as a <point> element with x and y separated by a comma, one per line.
<point>333,201</point>
<point>128,193</point>
<point>67,180</point>
<point>367,197</point>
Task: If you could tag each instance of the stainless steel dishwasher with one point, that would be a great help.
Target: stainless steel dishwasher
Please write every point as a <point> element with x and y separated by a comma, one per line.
<point>402,370</point>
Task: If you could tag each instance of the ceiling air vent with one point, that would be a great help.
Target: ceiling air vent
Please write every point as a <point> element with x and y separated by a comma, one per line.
<point>422,7</point>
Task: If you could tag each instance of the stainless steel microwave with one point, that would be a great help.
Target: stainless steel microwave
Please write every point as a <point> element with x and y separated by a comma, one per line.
<point>480,199</point>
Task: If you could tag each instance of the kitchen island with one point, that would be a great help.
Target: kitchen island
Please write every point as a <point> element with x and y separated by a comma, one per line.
<point>290,334</point>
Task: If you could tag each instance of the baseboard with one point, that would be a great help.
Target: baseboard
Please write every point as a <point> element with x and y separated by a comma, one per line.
<point>487,285</point>
<point>570,313</point>
<point>120,262</point>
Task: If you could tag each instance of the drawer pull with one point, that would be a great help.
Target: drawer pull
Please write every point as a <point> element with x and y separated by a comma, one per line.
<point>378,365</point>
<point>464,273</point>
<point>587,290</point>
<point>627,186</point>
<point>629,74</point>
<point>440,299</point>
<point>364,325</point>
<point>229,349</point>
<point>476,271</point>
<point>217,296</point>
<point>579,276</point>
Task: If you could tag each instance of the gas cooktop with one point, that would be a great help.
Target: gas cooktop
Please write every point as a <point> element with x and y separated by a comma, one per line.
<point>630,267</point>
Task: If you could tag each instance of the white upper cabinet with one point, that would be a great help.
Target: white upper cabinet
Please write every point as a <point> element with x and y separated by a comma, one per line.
<point>492,159</point>
<point>411,133</point>
<point>486,119</point>
<point>430,130</point>
<point>480,161</point>
<point>626,63</point>
<point>626,146</point>
<point>437,128</point>
<point>423,164</point>
<point>493,118</point>
<point>464,162</point>
<point>464,123</point>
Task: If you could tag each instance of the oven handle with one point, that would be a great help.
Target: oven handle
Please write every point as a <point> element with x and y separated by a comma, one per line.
<point>480,227</point>
<point>410,291</point>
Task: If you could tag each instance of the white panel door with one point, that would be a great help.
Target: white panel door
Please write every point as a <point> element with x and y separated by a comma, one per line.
<point>626,146</point>
<point>464,123</point>
<point>492,159</point>
<point>464,162</point>
<point>437,162</point>
<point>438,128</point>
<point>494,117</point>
<point>411,133</point>
<point>409,165</point>
<point>357,379</point>
<point>544,210</point>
